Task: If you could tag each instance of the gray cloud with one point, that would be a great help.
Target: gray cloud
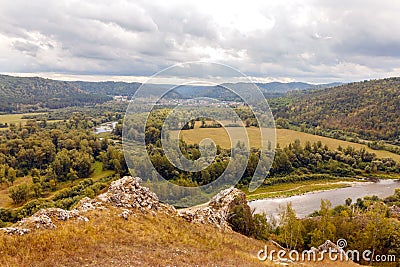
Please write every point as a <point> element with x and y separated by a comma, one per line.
<point>300,40</point>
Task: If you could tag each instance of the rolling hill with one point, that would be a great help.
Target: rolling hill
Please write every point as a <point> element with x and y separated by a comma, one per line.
<point>33,93</point>
<point>370,109</point>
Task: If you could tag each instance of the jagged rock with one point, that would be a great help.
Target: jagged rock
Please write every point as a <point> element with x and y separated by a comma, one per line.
<point>15,230</point>
<point>87,204</point>
<point>57,213</point>
<point>125,214</point>
<point>43,219</point>
<point>226,199</point>
<point>83,218</point>
<point>37,221</point>
<point>217,211</point>
<point>128,193</point>
<point>328,245</point>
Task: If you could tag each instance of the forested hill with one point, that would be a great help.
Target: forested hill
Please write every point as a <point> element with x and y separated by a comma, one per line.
<point>370,109</point>
<point>34,93</point>
<point>109,87</point>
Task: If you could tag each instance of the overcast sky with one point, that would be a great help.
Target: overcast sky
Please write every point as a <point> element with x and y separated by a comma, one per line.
<point>313,41</point>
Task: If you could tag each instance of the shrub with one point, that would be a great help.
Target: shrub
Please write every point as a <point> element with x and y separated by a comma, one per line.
<point>19,193</point>
<point>262,229</point>
<point>241,219</point>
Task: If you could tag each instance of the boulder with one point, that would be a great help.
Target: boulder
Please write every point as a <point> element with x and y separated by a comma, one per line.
<point>328,246</point>
<point>15,230</point>
<point>128,193</point>
<point>36,221</point>
<point>216,212</point>
<point>87,204</point>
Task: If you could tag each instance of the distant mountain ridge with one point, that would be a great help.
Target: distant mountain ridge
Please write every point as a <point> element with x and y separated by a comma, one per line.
<point>270,90</point>
<point>294,86</point>
<point>32,93</point>
<point>19,94</point>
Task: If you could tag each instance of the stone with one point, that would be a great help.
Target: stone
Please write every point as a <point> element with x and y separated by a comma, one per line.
<point>15,230</point>
<point>328,245</point>
<point>88,204</point>
<point>216,212</point>
<point>125,214</point>
<point>37,221</point>
<point>128,193</point>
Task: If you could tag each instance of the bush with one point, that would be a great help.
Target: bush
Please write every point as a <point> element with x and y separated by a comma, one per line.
<point>241,219</point>
<point>262,229</point>
<point>19,193</point>
<point>33,206</point>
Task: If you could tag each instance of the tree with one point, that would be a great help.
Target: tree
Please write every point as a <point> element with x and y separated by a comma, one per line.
<point>241,219</point>
<point>262,228</point>
<point>378,230</point>
<point>82,164</point>
<point>62,164</point>
<point>11,175</point>
<point>291,228</point>
<point>19,193</point>
<point>325,230</point>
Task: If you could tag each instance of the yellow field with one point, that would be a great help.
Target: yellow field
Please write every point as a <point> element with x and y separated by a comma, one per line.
<point>15,118</point>
<point>283,138</point>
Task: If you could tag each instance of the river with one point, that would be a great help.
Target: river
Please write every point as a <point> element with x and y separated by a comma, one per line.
<point>309,202</point>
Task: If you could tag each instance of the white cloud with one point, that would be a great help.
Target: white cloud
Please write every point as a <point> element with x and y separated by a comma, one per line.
<point>311,40</point>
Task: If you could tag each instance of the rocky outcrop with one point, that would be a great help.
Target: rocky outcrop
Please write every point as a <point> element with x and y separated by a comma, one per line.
<point>36,221</point>
<point>328,245</point>
<point>216,212</point>
<point>226,199</point>
<point>15,231</point>
<point>128,193</point>
<point>125,193</point>
<point>87,204</point>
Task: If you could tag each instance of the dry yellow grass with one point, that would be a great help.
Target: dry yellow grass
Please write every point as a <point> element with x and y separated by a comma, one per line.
<point>109,240</point>
<point>142,240</point>
<point>283,138</point>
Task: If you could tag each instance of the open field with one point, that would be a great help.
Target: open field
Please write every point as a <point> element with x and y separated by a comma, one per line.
<point>15,118</point>
<point>283,138</point>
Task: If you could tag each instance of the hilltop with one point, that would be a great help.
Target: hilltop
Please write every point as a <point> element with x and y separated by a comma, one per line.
<point>35,93</point>
<point>368,109</point>
<point>128,226</point>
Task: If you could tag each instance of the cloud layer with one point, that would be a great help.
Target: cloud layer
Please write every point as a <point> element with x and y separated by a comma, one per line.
<point>316,41</point>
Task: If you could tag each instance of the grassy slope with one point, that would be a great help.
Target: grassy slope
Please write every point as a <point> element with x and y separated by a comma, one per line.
<point>283,138</point>
<point>6,202</point>
<point>108,240</point>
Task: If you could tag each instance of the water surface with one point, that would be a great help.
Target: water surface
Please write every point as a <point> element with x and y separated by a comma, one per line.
<point>309,202</point>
